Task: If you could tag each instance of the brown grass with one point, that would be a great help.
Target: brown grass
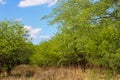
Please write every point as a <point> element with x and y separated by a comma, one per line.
<point>26,72</point>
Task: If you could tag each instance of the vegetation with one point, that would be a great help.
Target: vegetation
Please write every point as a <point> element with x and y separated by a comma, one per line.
<point>26,72</point>
<point>14,50</point>
<point>88,36</point>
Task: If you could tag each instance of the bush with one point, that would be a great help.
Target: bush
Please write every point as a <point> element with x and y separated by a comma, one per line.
<point>14,48</point>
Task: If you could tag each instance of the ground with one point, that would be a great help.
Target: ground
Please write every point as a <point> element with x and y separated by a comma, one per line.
<point>26,72</point>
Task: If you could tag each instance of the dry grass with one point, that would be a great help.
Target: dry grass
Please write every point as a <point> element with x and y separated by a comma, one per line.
<point>26,72</point>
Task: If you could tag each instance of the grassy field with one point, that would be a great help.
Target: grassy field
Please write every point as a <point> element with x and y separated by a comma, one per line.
<point>25,72</point>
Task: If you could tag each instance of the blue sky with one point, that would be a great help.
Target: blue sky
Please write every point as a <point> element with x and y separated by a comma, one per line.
<point>29,13</point>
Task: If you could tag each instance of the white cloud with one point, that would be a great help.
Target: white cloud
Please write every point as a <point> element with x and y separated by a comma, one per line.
<point>18,19</point>
<point>2,2</point>
<point>33,32</point>
<point>27,3</point>
<point>45,37</point>
<point>52,3</point>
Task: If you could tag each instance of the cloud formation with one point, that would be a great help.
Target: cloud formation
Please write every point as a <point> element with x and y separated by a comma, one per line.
<point>45,37</point>
<point>2,2</point>
<point>33,32</point>
<point>19,19</point>
<point>35,36</point>
<point>28,3</point>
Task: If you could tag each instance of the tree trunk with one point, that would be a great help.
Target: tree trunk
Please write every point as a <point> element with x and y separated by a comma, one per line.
<point>8,71</point>
<point>84,64</point>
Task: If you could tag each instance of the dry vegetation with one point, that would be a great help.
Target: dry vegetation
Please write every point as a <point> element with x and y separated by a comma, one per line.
<point>25,72</point>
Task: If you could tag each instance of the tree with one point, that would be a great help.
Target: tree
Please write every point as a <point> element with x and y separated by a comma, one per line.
<point>14,48</point>
<point>90,29</point>
<point>47,53</point>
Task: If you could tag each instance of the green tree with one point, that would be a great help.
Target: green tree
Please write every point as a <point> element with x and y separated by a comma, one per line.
<point>46,53</point>
<point>89,30</point>
<point>14,48</point>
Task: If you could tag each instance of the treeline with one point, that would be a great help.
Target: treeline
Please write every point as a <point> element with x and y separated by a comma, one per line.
<point>88,35</point>
<point>92,46</point>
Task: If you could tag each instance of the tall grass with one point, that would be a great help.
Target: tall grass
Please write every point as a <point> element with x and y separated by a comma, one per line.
<point>25,72</point>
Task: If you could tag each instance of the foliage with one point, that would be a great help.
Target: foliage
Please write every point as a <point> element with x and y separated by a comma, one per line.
<point>88,33</point>
<point>14,49</point>
<point>45,55</point>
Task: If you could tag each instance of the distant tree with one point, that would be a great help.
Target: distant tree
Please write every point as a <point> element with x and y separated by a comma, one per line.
<point>46,54</point>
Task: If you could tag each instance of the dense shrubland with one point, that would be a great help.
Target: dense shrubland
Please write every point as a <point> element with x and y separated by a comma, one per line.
<point>88,35</point>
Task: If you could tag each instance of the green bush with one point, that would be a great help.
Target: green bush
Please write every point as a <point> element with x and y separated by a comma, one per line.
<point>14,48</point>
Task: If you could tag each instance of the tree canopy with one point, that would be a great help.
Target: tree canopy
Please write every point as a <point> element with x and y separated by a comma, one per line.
<point>88,32</point>
<point>14,48</point>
